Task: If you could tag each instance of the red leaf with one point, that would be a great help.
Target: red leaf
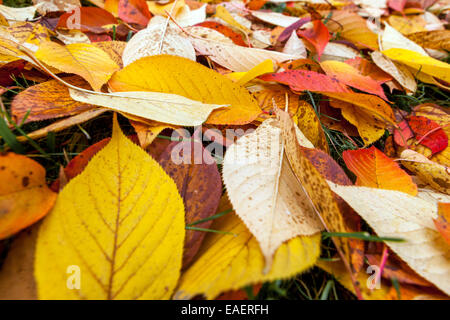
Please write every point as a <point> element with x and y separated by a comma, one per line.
<point>428,133</point>
<point>318,36</point>
<point>226,31</point>
<point>401,136</point>
<point>10,71</point>
<point>92,19</point>
<point>300,80</point>
<point>375,170</point>
<point>397,5</point>
<point>134,11</point>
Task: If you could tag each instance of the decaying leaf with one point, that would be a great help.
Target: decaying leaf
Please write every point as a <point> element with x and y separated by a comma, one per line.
<point>136,249</point>
<point>160,37</point>
<point>264,191</point>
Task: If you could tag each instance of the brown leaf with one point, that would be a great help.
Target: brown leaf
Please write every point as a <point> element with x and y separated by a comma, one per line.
<point>198,180</point>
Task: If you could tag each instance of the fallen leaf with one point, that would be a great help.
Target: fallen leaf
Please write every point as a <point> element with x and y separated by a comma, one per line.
<point>406,217</point>
<point>352,27</point>
<point>158,38</point>
<point>350,76</point>
<point>428,133</point>
<point>24,195</point>
<point>195,173</point>
<point>436,39</point>
<point>264,191</point>
<point>226,31</point>
<point>301,80</point>
<point>396,70</point>
<point>442,222</point>
<point>436,175</point>
<point>157,106</point>
<point>275,18</point>
<point>125,258</point>
<point>308,123</point>
<point>166,73</point>
<point>314,186</point>
<point>318,36</point>
<point>374,169</point>
<point>85,60</point>
<point>239,261</point>
<point>419,62</point>
<point>48,100</point>
<point>90,19</point>
<point>134,11</point>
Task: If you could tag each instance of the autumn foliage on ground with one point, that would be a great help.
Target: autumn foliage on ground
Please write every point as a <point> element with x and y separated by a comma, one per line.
<point>224,150</point>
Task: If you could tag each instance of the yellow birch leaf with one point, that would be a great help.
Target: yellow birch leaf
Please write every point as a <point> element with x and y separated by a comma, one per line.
<point>227,262</point>
<point>160,9</point>
<point>419,62</point>
<point>121,222</point>
<point>85,60</point>
<point>181,76</point>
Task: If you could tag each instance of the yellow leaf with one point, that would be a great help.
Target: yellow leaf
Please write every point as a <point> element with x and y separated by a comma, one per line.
<point>243,77</point>
<point>369,128</point>
<point>227,262</point>
<point>226,16</point>
<point>85,60</point>
<point>177,75</point>
<point>160,9</point>
<point>338,270</point>
<point>121,221</point>
<point>420,62</point>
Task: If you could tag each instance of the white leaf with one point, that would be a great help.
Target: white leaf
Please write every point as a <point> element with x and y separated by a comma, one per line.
<point>265,192</point>
<point>295,46</point>
<point>275,18</point>
<point>237,58</point>
<point>162,107</point>
<point>187,17</point>
<point>147,42</point>
<point>391,38</point>
<point>397,214</point>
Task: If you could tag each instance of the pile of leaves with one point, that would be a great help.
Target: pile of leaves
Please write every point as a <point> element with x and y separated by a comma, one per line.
<point>185,149</point>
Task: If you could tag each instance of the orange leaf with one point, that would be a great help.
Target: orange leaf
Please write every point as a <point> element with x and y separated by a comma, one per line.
<point>374,169</point>
<point>345,73</point>
<point>92,19</point>
<point>24,195</point>
<point>318,36</point>
<point>134,11</point>
<point>443,220</point>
